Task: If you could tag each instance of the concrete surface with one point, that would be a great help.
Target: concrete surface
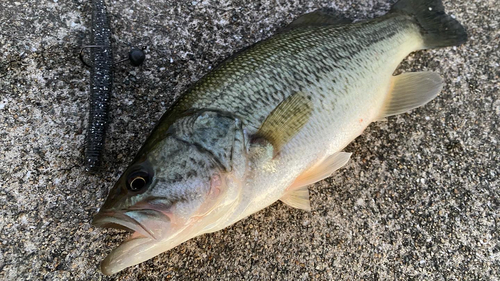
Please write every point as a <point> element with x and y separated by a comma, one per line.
<point>419,200</point>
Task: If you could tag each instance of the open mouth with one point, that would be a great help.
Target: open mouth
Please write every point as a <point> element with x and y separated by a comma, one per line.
<point>149,227</point>
<point>146,223</point>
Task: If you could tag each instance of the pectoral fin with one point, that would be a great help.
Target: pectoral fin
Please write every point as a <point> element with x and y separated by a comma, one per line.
<point>297,198</point>
<point>322,170</point>
<point>286,120</point>
<point>411,90</point>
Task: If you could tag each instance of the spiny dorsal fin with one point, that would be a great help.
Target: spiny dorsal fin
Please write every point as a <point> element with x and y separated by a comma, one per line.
<point>286,120</point>
<point>322,170</point>
<point>319,17</point>
<point>297,198</point>
<point>411,90</point>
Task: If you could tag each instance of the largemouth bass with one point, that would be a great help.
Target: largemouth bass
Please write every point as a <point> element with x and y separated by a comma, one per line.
<point>268,122</point>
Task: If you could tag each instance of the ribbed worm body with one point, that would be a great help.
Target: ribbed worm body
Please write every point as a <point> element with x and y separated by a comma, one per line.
<point>100,84</point>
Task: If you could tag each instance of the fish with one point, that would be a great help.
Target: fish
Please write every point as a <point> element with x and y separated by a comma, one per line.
<point>270,121</point>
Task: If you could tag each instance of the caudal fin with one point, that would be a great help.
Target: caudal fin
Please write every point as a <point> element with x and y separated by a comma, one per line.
<point>438,28</point>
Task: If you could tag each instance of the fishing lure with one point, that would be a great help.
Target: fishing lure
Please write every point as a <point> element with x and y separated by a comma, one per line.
<point>101,82</point>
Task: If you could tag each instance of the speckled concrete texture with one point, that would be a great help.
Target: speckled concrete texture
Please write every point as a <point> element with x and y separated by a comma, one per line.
<point>418,201</point>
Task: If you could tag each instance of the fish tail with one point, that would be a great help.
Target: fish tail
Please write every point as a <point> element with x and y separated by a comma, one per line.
<point>438,28</point>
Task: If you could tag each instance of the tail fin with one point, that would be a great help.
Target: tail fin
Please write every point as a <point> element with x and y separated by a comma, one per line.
<point>438,28</point>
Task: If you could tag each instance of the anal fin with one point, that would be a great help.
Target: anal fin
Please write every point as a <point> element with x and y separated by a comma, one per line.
<point>411,90</point>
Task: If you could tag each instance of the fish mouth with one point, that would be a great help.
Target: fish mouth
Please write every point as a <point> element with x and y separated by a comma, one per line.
<point>146,223</point>
<point>150,228</point>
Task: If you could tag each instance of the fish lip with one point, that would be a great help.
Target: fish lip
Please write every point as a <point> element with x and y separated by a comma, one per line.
<point>142,244</point>
<point>120,220</point>
<point>123,256</point>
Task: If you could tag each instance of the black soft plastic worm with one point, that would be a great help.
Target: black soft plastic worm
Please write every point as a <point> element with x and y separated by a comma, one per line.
<point>100,85</point>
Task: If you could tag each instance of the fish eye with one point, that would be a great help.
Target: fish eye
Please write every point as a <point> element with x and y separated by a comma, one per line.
<point>137,181</point>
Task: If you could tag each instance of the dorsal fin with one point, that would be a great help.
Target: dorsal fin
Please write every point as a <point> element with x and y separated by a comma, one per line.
<point>411,90</point>
<point>319,17</point>
<point>286,120</point>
